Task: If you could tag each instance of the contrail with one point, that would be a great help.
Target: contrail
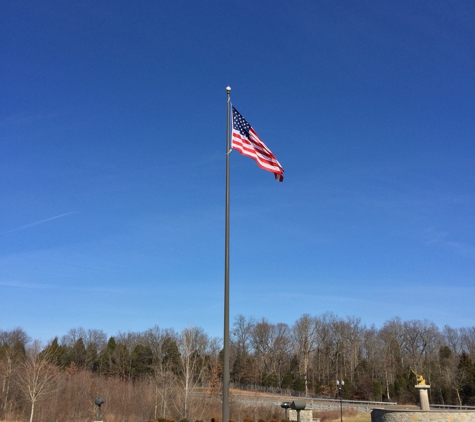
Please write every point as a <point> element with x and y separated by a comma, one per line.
<point>39,222</point>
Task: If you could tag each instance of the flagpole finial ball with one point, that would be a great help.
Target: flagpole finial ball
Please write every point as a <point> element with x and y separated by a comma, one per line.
<point>228,89</point>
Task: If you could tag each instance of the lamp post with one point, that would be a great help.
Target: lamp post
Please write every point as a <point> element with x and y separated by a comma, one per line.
<point>285,405</point>
<point>340,384</point>
<point>298,405</point>
<point>98,401</point>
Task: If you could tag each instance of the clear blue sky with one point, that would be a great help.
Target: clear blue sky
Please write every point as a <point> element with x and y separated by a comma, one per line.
<point>112,176</point>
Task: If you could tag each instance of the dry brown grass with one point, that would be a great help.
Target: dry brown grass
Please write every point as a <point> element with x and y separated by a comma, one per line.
<point>349,415</point>
<point>360,417</point>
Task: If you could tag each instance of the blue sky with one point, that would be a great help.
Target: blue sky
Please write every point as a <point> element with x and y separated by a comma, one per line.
<point>112,176</point>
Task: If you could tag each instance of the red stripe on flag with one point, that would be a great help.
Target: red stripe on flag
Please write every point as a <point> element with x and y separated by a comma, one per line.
<point>254,147</point>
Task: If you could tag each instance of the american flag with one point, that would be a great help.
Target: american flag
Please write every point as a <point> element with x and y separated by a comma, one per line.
<point>247,142</point>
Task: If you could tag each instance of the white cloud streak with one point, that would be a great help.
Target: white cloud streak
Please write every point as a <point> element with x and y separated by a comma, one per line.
<point>36,223</point>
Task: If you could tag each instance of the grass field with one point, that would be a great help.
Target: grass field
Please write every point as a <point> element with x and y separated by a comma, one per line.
<point>360,417</point>
<point>349,415</point>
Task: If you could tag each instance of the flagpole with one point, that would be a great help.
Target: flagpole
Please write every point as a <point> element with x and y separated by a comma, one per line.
<point>225,414</point>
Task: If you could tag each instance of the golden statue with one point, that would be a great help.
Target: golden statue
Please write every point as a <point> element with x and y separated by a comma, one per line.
<point>420,378</point>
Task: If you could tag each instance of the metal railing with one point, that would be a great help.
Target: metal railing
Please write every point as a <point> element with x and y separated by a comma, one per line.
<point>312,402</point>
<point>451,406</point>
<point>360,402</point>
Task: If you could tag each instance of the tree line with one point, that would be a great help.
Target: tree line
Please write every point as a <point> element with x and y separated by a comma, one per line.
<point>161,373</point>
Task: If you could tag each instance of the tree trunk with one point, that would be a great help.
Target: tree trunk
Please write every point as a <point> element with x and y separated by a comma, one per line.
<point>156,403</point>
<point>387,389</point>
<point>32,411</point>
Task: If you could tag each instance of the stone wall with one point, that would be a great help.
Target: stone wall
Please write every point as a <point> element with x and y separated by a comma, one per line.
<point>388,415</point>
<point>305,415</point>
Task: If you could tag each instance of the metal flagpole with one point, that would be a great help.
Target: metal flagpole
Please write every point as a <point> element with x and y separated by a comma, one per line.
<point>225,414</point>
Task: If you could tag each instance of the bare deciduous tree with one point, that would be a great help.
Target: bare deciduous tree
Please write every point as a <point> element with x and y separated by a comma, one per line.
<point>193,344</point>
<point>12,352</point>
<point>304,333</point>
<point>37,377</point>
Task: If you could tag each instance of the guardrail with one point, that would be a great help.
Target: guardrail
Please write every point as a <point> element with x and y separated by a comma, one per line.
<point>351,402</point>
<point>315,403</point>
<point>451,406</point>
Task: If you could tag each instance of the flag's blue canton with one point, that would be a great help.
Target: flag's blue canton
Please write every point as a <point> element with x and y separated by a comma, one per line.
<point>240,123</point>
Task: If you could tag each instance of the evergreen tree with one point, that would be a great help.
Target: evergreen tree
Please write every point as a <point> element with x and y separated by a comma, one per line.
<point>466,370</point>
<point>141,361</point>
<point>79,353</point>
<point>54,354</point>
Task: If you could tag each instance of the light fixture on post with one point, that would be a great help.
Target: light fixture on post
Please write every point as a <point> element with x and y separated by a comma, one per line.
<point>340,384</point>
<point>298,405</point>
<point>98,401</point>
<point>285,405</point>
